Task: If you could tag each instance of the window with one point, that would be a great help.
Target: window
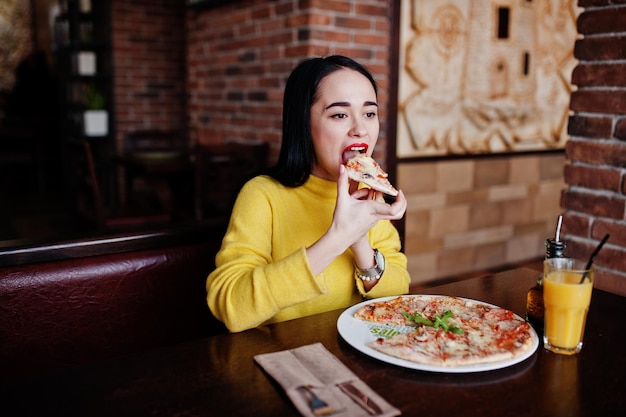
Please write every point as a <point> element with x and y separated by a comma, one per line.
<point>503,22</point>
<point>526,63</point>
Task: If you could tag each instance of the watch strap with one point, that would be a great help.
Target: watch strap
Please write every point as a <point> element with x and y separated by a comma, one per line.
<point>375,273</point>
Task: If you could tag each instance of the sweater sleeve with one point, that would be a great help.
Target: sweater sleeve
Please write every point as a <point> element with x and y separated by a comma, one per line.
<point>248,287</point>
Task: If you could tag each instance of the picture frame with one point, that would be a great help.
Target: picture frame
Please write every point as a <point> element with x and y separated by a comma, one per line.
<point>471,80</point>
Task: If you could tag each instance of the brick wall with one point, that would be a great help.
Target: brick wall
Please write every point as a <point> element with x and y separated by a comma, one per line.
<point>148,42</point>
<point>595,198</point>
<point>239,56</point>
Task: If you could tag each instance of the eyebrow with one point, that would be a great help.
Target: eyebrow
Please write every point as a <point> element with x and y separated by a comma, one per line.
<point>347,104</point>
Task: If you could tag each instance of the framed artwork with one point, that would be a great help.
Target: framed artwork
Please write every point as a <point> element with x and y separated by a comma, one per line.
<point>483,76</point>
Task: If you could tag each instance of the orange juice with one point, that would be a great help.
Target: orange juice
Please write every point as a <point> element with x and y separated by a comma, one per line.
<point>566,304</point>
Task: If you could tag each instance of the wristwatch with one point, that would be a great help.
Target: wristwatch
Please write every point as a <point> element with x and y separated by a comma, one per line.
<point>372,274</point>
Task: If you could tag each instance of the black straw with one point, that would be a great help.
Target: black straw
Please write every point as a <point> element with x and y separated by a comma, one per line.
<point>593,256</point>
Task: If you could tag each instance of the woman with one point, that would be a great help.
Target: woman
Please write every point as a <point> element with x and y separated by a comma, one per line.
<point>301,240</point>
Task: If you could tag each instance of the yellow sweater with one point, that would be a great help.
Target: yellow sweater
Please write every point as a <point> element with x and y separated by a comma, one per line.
<point>263,274</point>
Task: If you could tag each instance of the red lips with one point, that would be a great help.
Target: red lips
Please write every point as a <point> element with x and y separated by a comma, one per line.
<point>353,150</point>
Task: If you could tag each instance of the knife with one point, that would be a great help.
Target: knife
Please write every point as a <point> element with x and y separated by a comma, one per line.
<point>360,398</point>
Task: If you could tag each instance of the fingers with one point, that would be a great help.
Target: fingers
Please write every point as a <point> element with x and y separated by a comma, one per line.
<point>342,181</point>
<point>400,205</point>
<point>378,196</point>
<point>378,206</point>
<point>346,186</point>
<point>361,194</point>
<point>392,211</point>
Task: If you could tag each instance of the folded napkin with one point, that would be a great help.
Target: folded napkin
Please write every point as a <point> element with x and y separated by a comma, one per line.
<point>320,384</point>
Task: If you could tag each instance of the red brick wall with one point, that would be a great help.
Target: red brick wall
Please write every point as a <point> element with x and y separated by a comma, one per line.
<point>148,45</point>
<point>239,56</point>
<point>595,199</point>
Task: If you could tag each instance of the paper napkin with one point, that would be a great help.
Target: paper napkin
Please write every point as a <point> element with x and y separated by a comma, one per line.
<point>320,384</point>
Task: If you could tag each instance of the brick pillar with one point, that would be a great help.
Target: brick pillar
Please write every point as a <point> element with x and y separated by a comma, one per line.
<point>595,198</point>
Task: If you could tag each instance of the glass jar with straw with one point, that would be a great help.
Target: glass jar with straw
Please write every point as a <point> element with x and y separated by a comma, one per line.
<point>534,298</point>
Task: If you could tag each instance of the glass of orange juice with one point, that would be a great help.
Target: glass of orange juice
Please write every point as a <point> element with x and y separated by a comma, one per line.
<point>567,285</point>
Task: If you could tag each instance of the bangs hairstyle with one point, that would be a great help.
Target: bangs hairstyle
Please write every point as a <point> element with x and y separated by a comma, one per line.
<point>297,154</point>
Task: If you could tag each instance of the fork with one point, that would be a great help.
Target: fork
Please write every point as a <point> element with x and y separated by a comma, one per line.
<point>317,405</point>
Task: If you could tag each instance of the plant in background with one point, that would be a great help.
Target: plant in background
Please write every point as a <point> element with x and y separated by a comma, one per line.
<point>95,117</point>
<point>93,99</point>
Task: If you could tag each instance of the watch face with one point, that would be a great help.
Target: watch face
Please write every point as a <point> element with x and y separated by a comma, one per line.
<point>380,262</point>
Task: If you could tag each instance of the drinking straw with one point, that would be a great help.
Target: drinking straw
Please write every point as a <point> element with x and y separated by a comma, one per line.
<point>557,236</point>
<point>593,256</point>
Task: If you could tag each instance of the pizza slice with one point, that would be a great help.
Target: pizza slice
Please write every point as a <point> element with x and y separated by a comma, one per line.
<point>390,311</point>
<point>419,346</point>
<point>363,168</point>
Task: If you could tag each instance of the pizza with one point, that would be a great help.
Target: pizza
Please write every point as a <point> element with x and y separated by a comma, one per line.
<point>363,168</point>
<point>447,331</point>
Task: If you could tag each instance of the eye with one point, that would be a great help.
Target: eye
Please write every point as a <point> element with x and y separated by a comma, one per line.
<point>370,114</point>
<point>339,116</point>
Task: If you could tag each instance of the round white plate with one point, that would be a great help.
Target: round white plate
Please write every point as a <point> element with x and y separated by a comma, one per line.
<point>359,333</point>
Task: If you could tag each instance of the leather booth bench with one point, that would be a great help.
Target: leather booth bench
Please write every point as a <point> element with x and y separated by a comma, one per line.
<point>73,303</point>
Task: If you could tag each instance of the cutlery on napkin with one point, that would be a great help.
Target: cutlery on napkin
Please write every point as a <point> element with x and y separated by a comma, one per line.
<point>318,383</point>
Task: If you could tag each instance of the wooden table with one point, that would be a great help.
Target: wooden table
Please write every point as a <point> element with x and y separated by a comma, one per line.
<point>217,376</point>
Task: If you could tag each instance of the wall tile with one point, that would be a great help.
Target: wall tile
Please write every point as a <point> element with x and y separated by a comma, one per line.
<point>448,220</point>
<point>525,170</point>
<point>518,210</point>
<point>507,192</point>
<point>416,232</point>
<point>489,255</point>
<point>546,204</point>
<point>485,214</point>
<point>523,247</point>
<point>417,177</point>
<point>455,175</point>
<point>543,228</point>
<point>425,201</point>
<point>489,172</point>
<point>422,267</point>
<point>467,197</point>
<point>551,166</point>
<point>455,261</point>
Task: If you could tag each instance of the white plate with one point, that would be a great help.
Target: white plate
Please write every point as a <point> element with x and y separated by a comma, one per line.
<point>358,334</point>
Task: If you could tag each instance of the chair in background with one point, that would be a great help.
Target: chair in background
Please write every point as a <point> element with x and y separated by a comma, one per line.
<point>158,162</point>
<point>152,141</point>
<point>106,216</point>
<point>220,172</point>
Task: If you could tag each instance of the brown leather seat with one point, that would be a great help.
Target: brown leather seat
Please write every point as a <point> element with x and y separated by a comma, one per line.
<point>70,312</point>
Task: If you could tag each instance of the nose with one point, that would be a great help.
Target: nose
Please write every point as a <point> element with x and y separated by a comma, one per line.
<point>358,128</point>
